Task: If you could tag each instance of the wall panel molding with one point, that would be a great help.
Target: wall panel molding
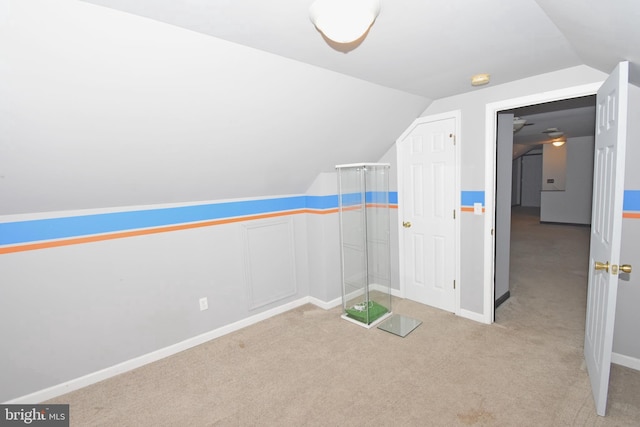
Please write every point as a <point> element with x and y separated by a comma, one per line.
<point>270,265</point>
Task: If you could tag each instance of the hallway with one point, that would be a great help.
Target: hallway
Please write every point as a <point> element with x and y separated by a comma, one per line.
<point>548,286</point>
<point>548,277</point>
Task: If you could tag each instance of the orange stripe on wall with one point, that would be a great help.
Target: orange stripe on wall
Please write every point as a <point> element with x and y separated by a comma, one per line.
<point>469,209</point>
<point>634,215</point>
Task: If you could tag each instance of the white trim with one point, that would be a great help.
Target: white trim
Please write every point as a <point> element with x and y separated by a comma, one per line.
<point>384,289</point>
<point>326,305</point>
<point>135,208</point>
<point>458,206</point>
<point>103,374</point>
<point>355,165</point>
<point>491,112</point>
<point>457,116</point>
<point>478,317</point>
<point>627,361</point>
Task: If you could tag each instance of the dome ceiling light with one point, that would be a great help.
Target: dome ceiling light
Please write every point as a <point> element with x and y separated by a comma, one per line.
<point>480,79</point>
<point>344,21</point>
<point>557,136</point>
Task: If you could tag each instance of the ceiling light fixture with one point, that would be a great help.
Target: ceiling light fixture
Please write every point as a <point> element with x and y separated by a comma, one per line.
<point>344,21</point>
<point>559,142</point>
<point>480,79</point>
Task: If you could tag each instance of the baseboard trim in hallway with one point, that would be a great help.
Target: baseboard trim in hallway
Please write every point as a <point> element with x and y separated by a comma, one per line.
<point>626,361</point>
<point>502,299</point>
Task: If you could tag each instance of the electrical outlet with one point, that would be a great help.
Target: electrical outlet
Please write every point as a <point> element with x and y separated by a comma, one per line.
<point>204,304</point>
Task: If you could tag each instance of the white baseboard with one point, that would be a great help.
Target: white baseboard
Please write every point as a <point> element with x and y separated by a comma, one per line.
<point>627,361</point>
<point>473,316</point>
<point>327,305</point>
<point>112,371</point>
<point>383,289</point>
<point>103,374</point>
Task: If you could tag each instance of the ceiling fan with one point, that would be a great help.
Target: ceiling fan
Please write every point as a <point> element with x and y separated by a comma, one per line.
<point>519,123</point>
<point>553,132</point>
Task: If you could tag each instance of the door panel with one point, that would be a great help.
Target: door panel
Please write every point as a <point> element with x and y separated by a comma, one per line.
<point>606,225</point>
<point>428,199</point>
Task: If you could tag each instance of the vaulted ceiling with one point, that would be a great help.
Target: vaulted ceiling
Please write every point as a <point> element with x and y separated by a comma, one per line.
<point>110,103</point>
<point>426,48</point>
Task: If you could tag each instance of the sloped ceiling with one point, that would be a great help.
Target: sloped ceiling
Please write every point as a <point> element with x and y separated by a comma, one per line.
<point>422,47</point>
<point>100,108</point>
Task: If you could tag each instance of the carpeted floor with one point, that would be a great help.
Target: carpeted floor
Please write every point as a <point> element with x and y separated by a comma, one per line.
<point>310,367</point>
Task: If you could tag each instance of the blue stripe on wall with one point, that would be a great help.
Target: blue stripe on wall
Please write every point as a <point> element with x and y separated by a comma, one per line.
<point>631,200</point>
<point>468,198</point>
<point>393,197</point>
<point>12,233</point>
<point>322,202</point>
<point>60,228</point>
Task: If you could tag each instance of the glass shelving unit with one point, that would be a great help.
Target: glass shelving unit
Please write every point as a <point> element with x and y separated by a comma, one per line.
<point>363,201</point>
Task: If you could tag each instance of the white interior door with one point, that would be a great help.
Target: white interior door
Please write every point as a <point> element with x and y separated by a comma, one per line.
<point>427,198</point>
<point>606,224</point>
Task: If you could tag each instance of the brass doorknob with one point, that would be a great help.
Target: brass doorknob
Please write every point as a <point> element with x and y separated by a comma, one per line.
<point>602,266</point>
<point>406,224</point>
<point>625,268</point>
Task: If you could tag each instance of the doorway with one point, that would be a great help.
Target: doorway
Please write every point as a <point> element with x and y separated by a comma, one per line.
<point>536,177</point>
<point>492,110</point>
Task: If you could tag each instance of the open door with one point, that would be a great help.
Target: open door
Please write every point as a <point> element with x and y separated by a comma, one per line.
<point>606,225</point>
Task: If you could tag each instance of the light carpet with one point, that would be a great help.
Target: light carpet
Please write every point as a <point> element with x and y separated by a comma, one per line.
<point>309,367</point>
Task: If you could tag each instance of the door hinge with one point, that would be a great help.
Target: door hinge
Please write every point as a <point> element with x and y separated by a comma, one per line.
<point>454,214</point>
<point>492,231</point>
<point>454,284</point>
<point>453,137</point>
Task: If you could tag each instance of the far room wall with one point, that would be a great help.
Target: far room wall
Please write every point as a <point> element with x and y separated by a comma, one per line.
<point>572,205</point>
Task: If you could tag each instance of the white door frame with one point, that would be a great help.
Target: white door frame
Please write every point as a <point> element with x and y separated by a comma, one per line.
<point>491,114</point>
<point>456,114</point>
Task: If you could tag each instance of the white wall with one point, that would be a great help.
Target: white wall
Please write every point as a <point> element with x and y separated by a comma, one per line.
<point>323,233</point>
<point>102,108</point>
<point>72,310</point>
<point>573,204</point>
<point>554,167</point>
